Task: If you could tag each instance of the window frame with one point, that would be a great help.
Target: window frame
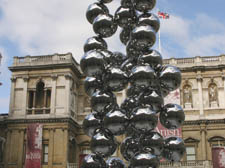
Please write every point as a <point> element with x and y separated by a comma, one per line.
<point>45,144</point>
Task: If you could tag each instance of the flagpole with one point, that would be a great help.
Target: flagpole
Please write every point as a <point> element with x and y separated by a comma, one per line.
<point>160,42</point>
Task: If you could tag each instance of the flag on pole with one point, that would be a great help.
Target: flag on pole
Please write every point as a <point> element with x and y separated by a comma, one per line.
<point>163,15</point>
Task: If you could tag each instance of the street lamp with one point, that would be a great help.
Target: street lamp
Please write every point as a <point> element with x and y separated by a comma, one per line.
<point>0,64</point>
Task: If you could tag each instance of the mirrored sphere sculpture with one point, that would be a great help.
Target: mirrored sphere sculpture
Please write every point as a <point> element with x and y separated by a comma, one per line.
<point>142,81</point>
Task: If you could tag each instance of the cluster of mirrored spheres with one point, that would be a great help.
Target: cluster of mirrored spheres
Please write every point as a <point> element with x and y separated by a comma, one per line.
<point>146,80</point>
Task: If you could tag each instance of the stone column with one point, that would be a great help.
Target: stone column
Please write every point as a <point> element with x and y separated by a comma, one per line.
<point>45,104</point>
<point>34,102</point>
<point>20,148</point>
<point>201,107</point>
<point>12,96</point>
<point>53,94</point>
<point>24,107</point>
<point>66,146</point>
<point>223,77</point>
<point>50,148</point>
<point>7,149</point>
<point>68,78</point>
<point>203,142</point>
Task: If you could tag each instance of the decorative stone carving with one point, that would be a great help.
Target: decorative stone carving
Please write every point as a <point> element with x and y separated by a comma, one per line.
<point>187,96</point>
<point>213,95</point>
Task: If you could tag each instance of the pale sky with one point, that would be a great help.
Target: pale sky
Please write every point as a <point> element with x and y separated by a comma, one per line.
<point>39,27</point>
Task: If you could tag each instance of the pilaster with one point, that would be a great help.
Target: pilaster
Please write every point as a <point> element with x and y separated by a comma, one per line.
<point>53,94</point>
<point>200,96</point>
<point>24,106</point>
<point>12,96</point>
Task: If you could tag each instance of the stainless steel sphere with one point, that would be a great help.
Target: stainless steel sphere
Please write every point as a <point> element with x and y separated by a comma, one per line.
<point>115,79</point>
<point>125,17</point>
<point>172,116</point>
<point>170,77</point>
<point>94,43</point>
<point>125,35</point>
<point>90,124</point>
<point>152,98</point>
<point>105,1</point>
<point>115,162</point>
<point>126,3</point>
<point>144,160</point>
<point>174,149</point>
<point>144,5</point>
<point>150,57</point>
<point>149,19</point>
<point>102,102</point>
<point>93,161</point>
<point>142,76</point>
<point>143,36</point>
<point>91,84</point>
<point>103,143</point>
<point>152,142</point>
<point>94,10</point>
<point>92,63</point>
<point>143,119</point>
<point>104,25</point>
<point>129,147</point>
<point>116,121</point>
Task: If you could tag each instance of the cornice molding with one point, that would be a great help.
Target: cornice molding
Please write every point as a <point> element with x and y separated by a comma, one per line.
<point>206,122</point>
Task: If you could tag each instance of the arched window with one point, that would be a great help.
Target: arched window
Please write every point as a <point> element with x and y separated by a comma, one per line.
<point>40,95</point>
<point>39,99</point>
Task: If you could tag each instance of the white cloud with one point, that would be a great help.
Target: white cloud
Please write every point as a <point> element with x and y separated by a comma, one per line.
<point>202,36</point>
<point>47,27</point>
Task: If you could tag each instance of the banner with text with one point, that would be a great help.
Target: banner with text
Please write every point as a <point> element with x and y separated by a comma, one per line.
<point>33,146</point>
<point>218,157</point>
<point>173,97</point>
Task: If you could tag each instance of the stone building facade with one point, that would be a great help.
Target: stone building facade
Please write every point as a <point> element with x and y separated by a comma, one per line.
<point>49,90</point>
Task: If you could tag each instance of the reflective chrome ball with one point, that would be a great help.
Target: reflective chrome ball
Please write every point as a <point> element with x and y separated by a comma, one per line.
<point>142,76</point>
<point>144,5</point>
<point>152,142</point>
<point>102,102</point>
<point>94,43</point>
<point>91,84</point>
<point>90,124</point>
<point>114,162</point>
<point>125,35</point>
<point>149,19</point>
<point>128,65</point>
<point>105,1</point>
<point>107,55</point>
<point>143,119</point>
<point>116,121</point>
<point>104,25</point>
<point>150,57</point>
<point>172,116</point>
<point>133,91</point>
<point>103,143</point>
<point>115,79</point>
<point>152,98</point>
<point>143,36</point>
<point>93,161</point>
<point>132,51</point>
<point>118,59</point>
<point>94,10</point>
<point>174,149</point>
<point>125,16</point>
<point>129,104</point>
<point>144,160</point>
<point>129,147</point>
<point>92,63</point>
<point>126,3</point>
<point>170,77</point>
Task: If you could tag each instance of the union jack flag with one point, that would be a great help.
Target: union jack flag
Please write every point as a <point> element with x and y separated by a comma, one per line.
<point>163,15</point>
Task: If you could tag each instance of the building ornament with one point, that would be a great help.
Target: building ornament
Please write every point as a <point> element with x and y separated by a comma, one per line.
<point>13,79</point>
<point>54,76</point>
<point>199,78</point>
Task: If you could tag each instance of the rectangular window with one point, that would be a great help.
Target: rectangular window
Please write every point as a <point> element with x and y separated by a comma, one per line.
<point>190,152</point>
<point>45,153</point>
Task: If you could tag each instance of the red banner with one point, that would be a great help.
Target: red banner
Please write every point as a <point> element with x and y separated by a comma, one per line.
<point>173,97</point>
<point>33,146</point>
<point>81,158</point>
<point>218,157</point>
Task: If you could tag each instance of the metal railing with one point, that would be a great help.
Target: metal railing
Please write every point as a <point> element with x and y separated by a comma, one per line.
<point>187,164</point>
<point>72,165</point>
<point>196,61</point>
